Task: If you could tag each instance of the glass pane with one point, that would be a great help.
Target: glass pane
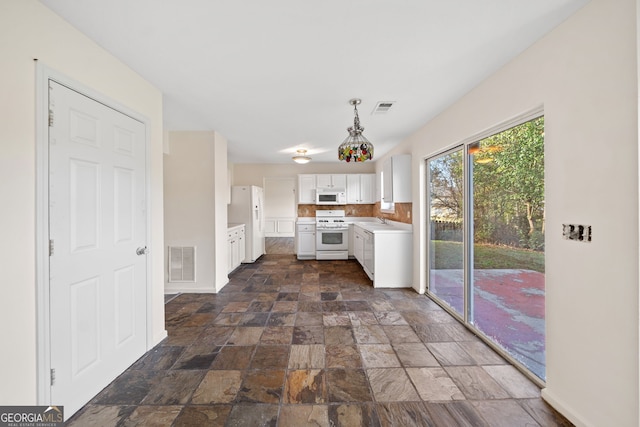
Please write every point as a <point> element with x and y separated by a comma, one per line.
<point>446,248</point>
<point>507,282</point>
<point>332,238</point>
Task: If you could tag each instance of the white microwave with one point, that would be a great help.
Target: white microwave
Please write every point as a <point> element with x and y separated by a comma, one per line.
<point>331,196</point>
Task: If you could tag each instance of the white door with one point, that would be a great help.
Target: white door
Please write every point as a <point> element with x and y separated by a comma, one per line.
<point>97,222</point>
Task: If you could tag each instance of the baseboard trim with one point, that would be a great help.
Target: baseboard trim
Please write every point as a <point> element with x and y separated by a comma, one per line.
<point>159,338</point>
<point>565,410</point>
<point>188,290</point>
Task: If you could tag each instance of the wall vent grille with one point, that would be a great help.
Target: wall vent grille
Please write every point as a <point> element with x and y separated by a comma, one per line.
<point>182,264</point>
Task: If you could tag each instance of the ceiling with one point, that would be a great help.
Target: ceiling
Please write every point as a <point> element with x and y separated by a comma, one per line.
<point>275,76</point>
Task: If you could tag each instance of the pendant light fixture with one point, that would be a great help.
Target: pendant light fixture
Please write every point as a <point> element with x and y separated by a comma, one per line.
<point>355,148</point>
<point>301,157</point>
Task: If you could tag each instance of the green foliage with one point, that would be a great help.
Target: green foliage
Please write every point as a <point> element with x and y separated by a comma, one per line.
<point>536,241</point>
<point>508,177</point>
<point>448,255</point>
<point>447,186</point>
<point>508,187</point>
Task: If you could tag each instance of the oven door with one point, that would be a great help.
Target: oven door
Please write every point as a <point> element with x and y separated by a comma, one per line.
<point>332,239</point>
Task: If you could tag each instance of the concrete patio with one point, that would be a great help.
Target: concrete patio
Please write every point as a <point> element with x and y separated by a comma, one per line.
<point>508,306</point>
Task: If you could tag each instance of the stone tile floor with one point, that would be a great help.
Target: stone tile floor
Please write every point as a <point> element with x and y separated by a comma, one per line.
<point>311,343</point>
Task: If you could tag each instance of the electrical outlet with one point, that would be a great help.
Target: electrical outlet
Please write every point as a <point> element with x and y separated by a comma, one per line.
<point>580,233</point>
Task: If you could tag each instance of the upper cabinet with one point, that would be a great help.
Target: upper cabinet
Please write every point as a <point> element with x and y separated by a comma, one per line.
<point>331,181</point>
<point>306,189</point>
<point>396,179</point>
<point>361,188</point>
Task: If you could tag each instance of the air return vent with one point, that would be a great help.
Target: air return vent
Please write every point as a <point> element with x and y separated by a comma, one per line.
<point>383,107</point>
<point>182,264</point>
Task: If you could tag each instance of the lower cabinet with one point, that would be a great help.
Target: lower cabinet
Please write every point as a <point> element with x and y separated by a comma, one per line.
<point>368,255</point>
<point>235,247</point>
<point>358,244</point>
<point>386,257</point>
<point>306,241</point>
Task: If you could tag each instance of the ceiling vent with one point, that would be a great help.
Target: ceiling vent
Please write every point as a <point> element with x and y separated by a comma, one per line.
<point>383,107</point>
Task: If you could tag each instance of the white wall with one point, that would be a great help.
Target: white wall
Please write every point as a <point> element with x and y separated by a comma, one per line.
<point>585,75</point>
<point>254,173</point>
<point>222,196</point>
<point>28,30</point>
<point>195,196</point>
<point>280,208</point>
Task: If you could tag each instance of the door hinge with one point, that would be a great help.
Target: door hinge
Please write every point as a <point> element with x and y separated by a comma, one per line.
<point>50,118</point>
<point>50,247</point>
<point>53,376</point>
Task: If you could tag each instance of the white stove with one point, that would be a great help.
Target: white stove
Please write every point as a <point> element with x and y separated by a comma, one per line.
<point>333,219</point>
<point>332,235</point>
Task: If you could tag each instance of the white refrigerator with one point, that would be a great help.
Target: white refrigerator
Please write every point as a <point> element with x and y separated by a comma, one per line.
<point>247,207</point>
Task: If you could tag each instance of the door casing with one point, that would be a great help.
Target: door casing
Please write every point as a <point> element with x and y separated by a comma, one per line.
<point>43,344</point>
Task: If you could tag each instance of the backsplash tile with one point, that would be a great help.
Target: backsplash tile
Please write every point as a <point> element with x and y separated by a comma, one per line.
<point>349,210</point>
<point>402,212</point>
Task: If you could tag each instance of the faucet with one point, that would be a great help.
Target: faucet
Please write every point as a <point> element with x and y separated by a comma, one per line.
<point>382,220</point>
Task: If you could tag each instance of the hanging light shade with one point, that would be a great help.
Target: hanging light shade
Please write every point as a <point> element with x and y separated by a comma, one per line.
<point>355,148</point>
<point>301,157</point>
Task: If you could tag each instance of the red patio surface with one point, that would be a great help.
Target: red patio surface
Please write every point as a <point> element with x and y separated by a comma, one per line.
<point>508,306</point>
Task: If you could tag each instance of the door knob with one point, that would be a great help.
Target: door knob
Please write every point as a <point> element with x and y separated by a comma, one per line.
<point>142,251</point>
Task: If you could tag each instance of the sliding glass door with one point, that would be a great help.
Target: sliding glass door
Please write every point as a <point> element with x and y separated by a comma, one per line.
<point>498,287</point>
<point>446,220</point>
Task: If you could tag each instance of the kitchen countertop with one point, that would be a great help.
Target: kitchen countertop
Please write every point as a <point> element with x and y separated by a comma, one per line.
<point>388,227</point>
<point>232,226</point>
<point>347,220</point>
<point>306,220</point>
<point>367,223</point>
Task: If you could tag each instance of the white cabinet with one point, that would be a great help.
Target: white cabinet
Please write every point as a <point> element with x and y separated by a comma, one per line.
<point>306,189</point>
<point>351,241</point>
<point>242,248</point>
<point>368,255</point>
<point>396,179</point>
<point>235,247</point>
<point>361,188</point>
<point>364,250</point>
<point>331,181</point>
<point>358,244</point>
<point>387,181</point>
<point>306,241</point>
<point>353,188</point>
<point>368,188</point>
<point>233,254</point>
<point>385,255</point>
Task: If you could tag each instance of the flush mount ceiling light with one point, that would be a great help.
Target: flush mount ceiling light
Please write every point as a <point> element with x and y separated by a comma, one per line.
<point>355,148</point>
<point>301,157</point>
